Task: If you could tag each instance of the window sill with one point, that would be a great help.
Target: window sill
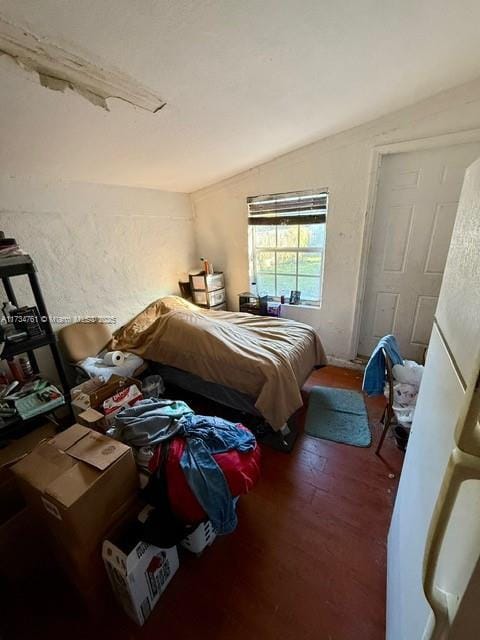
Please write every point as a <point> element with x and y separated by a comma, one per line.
<point>302,306</point>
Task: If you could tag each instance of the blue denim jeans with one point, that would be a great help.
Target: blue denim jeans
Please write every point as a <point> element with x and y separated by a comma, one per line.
<point>206,436</point>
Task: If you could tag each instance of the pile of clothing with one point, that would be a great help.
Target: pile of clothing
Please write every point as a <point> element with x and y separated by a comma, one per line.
<point>197,466</point>
<point>407,378</point>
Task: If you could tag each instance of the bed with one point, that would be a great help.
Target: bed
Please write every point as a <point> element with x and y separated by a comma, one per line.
<point>262,359</point>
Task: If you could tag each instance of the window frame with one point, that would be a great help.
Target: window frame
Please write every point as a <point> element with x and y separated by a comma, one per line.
<point>254,250</point>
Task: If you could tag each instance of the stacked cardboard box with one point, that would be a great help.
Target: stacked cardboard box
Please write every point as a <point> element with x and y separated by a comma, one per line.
<point>21,537</point>
<point>80,484</point>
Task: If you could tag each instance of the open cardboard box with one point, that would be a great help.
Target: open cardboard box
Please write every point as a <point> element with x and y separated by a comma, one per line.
<point>139,572</point>
<point>79,483</point>
<point>104,417</point>
<point>95,406</point>
<point>90,395</point>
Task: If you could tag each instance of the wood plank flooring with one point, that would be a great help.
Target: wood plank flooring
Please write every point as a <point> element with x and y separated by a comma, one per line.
<point>307,561</point>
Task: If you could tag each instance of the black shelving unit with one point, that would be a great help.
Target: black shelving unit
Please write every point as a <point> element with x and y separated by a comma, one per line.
<point>19,266</point>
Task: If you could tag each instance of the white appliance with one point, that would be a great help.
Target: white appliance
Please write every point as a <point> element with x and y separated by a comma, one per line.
<point>433,582</point>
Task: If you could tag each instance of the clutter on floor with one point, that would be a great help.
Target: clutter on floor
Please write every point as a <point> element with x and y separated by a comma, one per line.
<point>184,460</point>
<point>83,487</point>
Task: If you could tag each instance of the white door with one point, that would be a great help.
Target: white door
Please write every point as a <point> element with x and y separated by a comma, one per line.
<point>416,205</point>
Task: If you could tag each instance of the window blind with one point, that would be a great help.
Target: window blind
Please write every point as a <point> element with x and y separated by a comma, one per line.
<point>296,207</point>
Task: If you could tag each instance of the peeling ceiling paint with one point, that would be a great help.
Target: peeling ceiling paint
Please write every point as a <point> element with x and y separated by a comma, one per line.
<point>60,69</point>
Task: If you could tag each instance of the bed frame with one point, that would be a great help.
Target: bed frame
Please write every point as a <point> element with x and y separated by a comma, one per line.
<point>282,440</point>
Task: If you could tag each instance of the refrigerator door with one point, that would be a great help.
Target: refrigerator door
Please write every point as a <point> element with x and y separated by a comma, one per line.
<point>451,568</point>
<point>458,310</point>
<point>439,405</point>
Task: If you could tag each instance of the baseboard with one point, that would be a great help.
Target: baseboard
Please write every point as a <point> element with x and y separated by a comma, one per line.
<point>349,364</point>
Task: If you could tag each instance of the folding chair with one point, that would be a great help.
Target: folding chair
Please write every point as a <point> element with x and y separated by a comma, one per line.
<point>388,412</point>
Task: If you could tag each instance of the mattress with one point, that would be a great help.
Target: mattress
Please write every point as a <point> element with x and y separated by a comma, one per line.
<point>263,357</point>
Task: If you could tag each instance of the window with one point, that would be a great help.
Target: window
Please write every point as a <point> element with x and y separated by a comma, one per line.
<point>287,243</point>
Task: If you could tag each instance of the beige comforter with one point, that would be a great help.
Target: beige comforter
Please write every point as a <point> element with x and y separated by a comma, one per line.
<point>266,358</point>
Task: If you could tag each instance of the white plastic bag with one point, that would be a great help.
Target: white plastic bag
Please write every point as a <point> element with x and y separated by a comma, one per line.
<point>409,373</point>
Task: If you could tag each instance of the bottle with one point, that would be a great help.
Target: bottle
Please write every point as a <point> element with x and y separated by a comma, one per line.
<point>16,369</point>
<point>5,374</point>
<point>26,366</point>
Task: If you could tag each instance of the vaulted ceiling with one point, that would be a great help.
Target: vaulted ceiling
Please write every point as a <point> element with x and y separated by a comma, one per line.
<point>244,81</point>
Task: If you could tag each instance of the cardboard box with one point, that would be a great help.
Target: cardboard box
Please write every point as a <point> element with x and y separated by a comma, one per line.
<point>126,397</point>
<point>91,394</point>
<point>92,419</point>
<point>11,500</point>
<point>139,573</point>
<point>86,570</point>
<point>84,394</point>
<point>102,418</point>
<point>24,549</point>
<point>78,483</point>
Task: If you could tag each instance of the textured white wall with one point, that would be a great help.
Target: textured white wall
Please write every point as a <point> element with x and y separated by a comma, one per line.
<point>99,250</point>
<point>341,163</point>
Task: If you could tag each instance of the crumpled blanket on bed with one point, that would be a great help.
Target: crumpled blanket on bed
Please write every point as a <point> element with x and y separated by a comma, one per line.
<point>264,357</point>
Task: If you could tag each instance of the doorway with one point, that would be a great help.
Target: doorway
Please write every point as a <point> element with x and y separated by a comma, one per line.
<point>416,205</point>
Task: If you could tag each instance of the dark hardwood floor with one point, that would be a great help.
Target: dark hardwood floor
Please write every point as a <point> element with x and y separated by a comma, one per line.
<point>307,561</point>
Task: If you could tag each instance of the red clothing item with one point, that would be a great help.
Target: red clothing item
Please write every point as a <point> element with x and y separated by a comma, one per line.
<point>241,470</point>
